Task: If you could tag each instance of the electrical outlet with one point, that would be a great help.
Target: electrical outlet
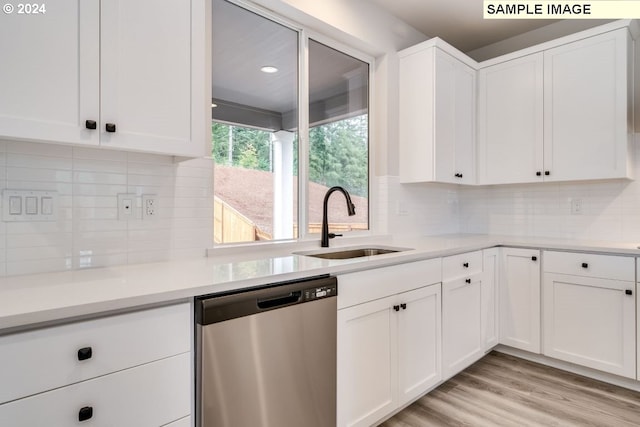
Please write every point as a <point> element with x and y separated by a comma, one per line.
<point>149,206</point>
<point>576,206</point>
<point>126,206</point>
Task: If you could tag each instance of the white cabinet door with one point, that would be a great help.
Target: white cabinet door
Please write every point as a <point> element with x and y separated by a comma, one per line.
<point>590,322</point>
<point>367,362</point>
<point>489,297</point>
<point>418,342</point>
<point>520,299</point>
<point>437,117</point>
<point>454,120</point>
<point>461,324</point>
<point>49,78</point>
<point>587,93</point>
<point>151,82</point>
<point>510,121</point>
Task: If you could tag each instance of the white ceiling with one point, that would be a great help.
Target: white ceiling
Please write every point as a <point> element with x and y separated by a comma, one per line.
<point>458,22</point>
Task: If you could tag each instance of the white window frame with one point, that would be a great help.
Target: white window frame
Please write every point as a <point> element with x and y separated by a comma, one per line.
<point>304,34</point>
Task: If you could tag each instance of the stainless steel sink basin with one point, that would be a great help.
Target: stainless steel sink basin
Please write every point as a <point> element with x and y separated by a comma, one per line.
<point>349,253</point>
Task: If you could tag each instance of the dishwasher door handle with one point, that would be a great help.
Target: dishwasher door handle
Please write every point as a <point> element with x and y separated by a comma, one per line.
<point>266,303</point>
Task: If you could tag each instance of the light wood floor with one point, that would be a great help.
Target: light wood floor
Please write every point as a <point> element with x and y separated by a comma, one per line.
<point>502,390</point>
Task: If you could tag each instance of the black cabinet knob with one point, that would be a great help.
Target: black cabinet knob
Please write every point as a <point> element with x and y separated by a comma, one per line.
<point>404,306</point>
<point>534,258</point>
<point>85,353</point>
<point>538,173</point>
<point>110,127</point>
<point>585,265</point>
<point>85,413</point>
<point>547,173</point>
<point>396,307</point>
<point>91,124</point>
<point>465,265</point>
<point>458,175</point>
<point>468,280</point>
<point>628,292</point>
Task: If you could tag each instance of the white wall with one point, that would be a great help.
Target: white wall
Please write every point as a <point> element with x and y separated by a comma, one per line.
<point>88,232</point>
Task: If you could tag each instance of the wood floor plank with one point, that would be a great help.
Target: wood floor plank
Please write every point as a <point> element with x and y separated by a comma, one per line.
<point>502,390</point>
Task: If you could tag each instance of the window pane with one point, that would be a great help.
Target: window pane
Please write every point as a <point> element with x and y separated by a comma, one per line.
<point>254,129</point>
<point>338,137</point>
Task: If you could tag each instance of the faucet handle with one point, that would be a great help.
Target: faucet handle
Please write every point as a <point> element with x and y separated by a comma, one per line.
<point>332,235</point>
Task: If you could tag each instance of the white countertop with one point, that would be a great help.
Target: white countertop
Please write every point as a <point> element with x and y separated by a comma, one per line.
<point>34,299</point>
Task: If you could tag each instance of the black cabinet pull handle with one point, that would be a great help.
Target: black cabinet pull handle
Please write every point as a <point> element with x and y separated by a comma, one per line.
<point>628,292</point>
<point>534,258</point>
<point>465,265</point>
<point>404,306</point>
<point>110,127</point>
<point>85,413</point>
<point>396,307</point>
<point>458,175</point>
<point>468,280</point>
<point>547,173</point>
<point>585,265</point>
<point>538,173</point>
<point>90,124</point>
<point>85,353</point>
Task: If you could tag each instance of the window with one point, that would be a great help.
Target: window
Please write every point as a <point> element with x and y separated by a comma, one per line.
<point>272,167</point>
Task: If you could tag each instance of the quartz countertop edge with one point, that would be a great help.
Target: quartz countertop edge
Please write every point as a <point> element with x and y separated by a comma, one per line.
<point>37,299</point>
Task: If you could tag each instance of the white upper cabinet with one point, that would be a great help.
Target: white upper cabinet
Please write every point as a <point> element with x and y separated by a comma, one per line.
<point>560,114</point>
<point>49,80</point>
<point>437,115</point>
<point>510,121</point>
<point>588,108</point>
<point>119,74</point>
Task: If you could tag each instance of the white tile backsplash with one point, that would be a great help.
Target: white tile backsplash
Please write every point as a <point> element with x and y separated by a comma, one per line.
<point>610,209</point>
<point>87,232</point>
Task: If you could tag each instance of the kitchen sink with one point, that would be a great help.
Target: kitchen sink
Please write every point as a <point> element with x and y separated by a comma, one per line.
<point>348,253</point>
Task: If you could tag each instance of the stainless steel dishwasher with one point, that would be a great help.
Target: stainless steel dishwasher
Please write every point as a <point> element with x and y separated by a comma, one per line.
<point>267,357</point>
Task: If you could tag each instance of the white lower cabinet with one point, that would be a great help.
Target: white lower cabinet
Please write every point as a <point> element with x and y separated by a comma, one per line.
<point>489,298</point>
<point>519,298</point>
<point>150,395</point>
<point>461,324</point>
<point>130,369</point>
<point>389,347</point>
<point>590,320</point>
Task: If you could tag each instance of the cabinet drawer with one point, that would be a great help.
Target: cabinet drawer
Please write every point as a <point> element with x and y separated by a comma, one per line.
<point>47,358</point>
<point>590,265</point>
<point>363,286</point>
<point>457,266</point>
<point>150,395</point>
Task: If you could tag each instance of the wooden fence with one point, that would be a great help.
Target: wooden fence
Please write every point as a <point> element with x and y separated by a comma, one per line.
<point>231,226</point>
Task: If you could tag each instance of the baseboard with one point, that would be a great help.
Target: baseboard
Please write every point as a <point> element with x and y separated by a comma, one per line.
<point>570,367</point>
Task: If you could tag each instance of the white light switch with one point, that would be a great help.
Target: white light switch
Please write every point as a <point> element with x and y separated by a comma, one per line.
<point>31,205</point>
<point>15,205</point>
<point>46,204</point>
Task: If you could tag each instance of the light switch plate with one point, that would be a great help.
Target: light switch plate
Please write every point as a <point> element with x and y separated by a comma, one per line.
<point>27,205</point>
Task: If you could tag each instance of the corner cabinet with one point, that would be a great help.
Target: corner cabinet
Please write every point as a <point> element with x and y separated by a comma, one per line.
<point>519,298</point>
<point>589,310</point>
<point>561,114</point>
<point>510,119</point>
<point>388,339</point>
<point>111,73</point>
<point>437,114</point>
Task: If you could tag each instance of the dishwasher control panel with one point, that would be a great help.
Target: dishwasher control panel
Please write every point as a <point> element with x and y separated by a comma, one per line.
<point>311,294</point>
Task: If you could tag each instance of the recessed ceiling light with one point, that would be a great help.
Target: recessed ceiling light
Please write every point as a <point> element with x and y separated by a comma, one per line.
<point>269,69</point>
